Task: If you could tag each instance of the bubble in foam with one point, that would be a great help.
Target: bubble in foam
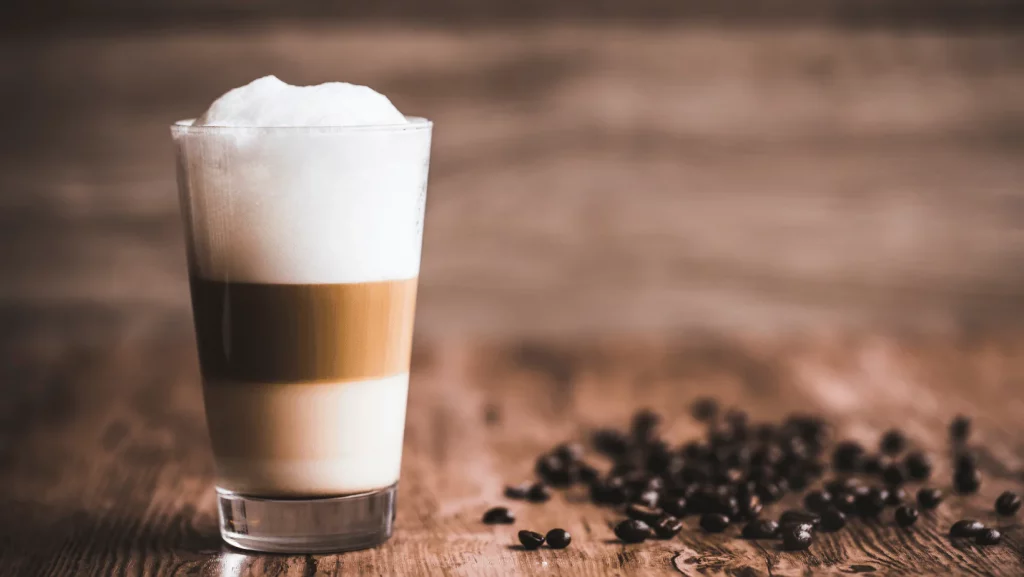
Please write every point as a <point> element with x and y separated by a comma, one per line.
<point>270,102</point>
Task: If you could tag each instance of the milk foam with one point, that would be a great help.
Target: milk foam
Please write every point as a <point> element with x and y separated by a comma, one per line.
<point>303,205</point>
<point>268,101</point>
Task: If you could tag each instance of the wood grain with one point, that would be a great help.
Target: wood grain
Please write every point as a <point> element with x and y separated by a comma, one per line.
<point>108,469</point>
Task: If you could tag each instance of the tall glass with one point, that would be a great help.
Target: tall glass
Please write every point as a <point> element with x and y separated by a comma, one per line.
<point>303,251</point>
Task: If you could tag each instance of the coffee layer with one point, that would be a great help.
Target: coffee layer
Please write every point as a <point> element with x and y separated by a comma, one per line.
<point>295,333</point>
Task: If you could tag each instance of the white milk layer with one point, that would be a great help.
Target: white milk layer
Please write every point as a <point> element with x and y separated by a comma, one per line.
<point>307,440</point>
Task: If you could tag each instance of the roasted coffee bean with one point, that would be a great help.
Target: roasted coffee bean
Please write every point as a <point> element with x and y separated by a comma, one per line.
<point>929,498</point>
<point>675,506</point>
<point>649,498</point>
<point>848,457</point>
<point>832,520</point>
<point>705,409</point>
<point>872,503</point>
<point>896,497</point>
<point>667,527</point>
<point>610,442</point>
<point>518,491</point>
<point>918,465</point>
<point>558,538</point>
<point>966,528</point>
<point>892,442</point>
<point>967,482</point>
<point>875,464</point>
<point>965,462</point>
<point>714,522</point>
<point>641,513</point>
<point>632,531</point>
<point>1008,504</point>
<point>770,492</point>
<point>644,425</point>
<point>530,539</point>
<point>988,537</point>
<point>750,507</point>
<point>894,475</point>
<point>796,537</point>
<point>841,485</point>
<point>960,429</point>
<point>846,502</point>
<point>763,529</point>
<point>906,516</point>
<point>587,472</point>
<point>765,432</point>
<point>556,471</point>
<point>499,515</point>
<point>727,505</point>
<point>794,516</point>
<point>818,501</point>
<point>798,481</point>
<point>568,452</point>
<point>539,493</point>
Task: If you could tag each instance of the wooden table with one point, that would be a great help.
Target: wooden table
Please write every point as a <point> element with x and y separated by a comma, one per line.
<point>790,220</point>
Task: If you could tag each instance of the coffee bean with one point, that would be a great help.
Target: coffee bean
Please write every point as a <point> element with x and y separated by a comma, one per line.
<point>966,528</point>
<point>632,531</point>
<point>641,513</point>
<point>765,529</point>
<point>530,539</point>
<point>714,522</point>
<point>796,538</point>
<point>610,442</point>
<point>587,472</point>
<point>818,501</point>
<point>841,485</point>
<point>554,470</point>
<point>798,481</point>
<point>770,492</point>
<point>1008,504</point>
<point>875,464</point>
<point>667,527</point>
<point>848,457</point>
<point>519,491</point>
<point>794,516</point>
<point>872,503</point>
<point>539,493</point>
<point>846,503</point>
<point>727,505</point>
<point>832,520</point>
<point>558,538</point>
<point>705,409</point>
<point>967,482</point>
<point>960,429</point>
<point>896,497</point>
<point>649,498</point>
<point>928,498</point>
<point>644,425</point>
<point>906,516</point>
<point>988,537</point>
<point>894,474</point>
<point>918,465</point>
<point>499,515</point>
<point>569,452</point>
<point>965,462</point>
<point>675,506</point>
<point>892,442</point>
<point>750,507</point>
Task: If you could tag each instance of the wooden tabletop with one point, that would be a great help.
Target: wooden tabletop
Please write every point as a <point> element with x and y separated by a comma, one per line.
<point>812,220</point>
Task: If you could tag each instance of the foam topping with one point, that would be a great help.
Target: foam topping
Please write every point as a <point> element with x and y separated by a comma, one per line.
<point>268,101</point>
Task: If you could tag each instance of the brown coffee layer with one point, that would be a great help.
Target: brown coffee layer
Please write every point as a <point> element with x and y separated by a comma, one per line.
<point>288,333</point>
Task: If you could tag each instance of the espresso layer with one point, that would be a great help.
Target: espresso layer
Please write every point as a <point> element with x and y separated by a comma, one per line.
<point>294,333</point>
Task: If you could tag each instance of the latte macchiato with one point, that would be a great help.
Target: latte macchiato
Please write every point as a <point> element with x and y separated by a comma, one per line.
<point>303,209</point>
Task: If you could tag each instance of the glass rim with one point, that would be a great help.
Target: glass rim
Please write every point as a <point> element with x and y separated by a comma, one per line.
<point>414,123</point>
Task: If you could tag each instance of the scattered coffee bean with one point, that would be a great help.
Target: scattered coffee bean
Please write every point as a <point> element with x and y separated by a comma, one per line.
<point>714,522</point>
<point>1008,504</point>
<point>530,539</point>
<point>918,465</point>
<point>875,464</point>
<point>705,409</point>
<point>727,505</point>
<point>794,516</point>
<point>846,503</point>
<point>587,472</point>
<point>848,457</point>
<point>770,492</point>
<point>893,442</point>
<point>832,520</point>
<point>841,485</point>
<point>610,442</point>
<point>499,515</point>
<point>760,529</point>
<point>667,527</point>
<point>871,503</point>
<point>929,498</point>
<point>906,516</point>
<point>894,474</point>
<point>555,470</point>
<point>988,537</point>
<point>897,495</point>
<point>517,491</point>
<point>675,507</point>
<point>967,482</point>
<point>643,513</point>
<point>644,426</point>
<point>539,493</point>
<point>750,508</point>
<point>965,462</point>
<point>632,531</point>
<point>818,501</point>
<point>960,429</point>
<point>558,538</point>
<point>648,498</point>
<point>796,537</point>
<point>569,452</point>
<point>798,481</point>
<point>966,528</point>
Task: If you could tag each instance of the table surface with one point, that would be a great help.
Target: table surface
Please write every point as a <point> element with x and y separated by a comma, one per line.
<point>855,252</point>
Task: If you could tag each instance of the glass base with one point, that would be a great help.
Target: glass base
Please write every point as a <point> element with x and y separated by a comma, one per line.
<point>307,525</point>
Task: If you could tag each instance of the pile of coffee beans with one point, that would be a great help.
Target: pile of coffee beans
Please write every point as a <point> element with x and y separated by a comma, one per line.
<point>738,468</point>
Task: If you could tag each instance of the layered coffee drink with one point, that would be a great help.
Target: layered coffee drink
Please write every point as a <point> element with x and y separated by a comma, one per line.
<point>303,209</point>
